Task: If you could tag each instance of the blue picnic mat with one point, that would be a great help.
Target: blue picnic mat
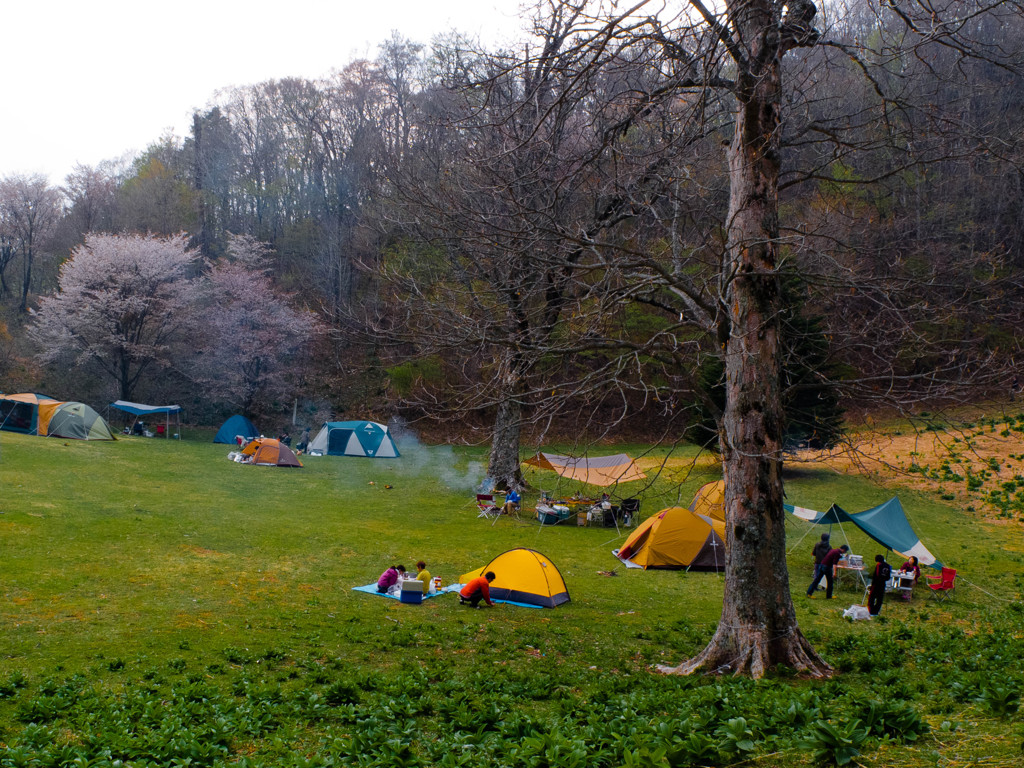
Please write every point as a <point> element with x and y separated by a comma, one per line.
<point>506,602</point>
<point>371,589</point>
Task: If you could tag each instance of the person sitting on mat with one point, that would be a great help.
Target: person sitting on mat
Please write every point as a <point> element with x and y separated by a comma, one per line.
<point>476,590</point>
<point>422,574</point>
<point>389,578</point>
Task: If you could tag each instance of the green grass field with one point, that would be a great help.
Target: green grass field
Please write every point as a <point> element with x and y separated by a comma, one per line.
<point>165,606</point>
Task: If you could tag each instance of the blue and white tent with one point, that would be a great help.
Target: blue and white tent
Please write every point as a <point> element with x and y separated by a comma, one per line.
<point>887,524</point>
<point>353,438</point>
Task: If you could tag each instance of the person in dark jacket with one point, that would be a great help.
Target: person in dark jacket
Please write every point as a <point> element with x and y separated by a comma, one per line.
<point>820,550</point>
<point>879,577</point>
<point>827,569</point>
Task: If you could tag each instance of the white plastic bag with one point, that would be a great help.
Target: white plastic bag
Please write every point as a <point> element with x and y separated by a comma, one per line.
<point>856,612</point>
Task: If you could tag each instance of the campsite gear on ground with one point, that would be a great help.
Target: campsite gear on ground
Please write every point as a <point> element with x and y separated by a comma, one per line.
<point>485,504</point>
<point>942,586</point>
<point>854,566</point>
<point>676,538</point>
<point>412,591</point>
<point>552,514</point>
<point>353,438</point>
<point>902,584</point>
<point>371,589</point>
<point>524,577</point>
<point>34,414</point>
<point>598,470</point>
<point>267,452</point>
<point>856,613</point>
<point>437,582</point>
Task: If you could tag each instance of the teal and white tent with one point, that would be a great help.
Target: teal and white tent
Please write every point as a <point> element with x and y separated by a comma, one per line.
<point>887,524</point>
<point>353,438</point>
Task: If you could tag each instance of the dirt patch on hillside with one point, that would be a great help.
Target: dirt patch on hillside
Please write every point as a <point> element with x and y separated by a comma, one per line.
<point>978,465</point>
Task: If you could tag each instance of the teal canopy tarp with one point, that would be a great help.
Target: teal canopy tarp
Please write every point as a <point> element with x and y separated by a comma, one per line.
<point>887,524</point>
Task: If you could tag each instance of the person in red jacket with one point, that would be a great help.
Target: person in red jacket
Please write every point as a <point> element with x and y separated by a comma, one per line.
<point>476,590</point>
<point>828,564</point>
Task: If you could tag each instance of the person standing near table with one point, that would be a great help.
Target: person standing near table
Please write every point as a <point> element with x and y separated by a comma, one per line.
<point>879,577</point>
<point>828,564</point>
<point>820,550</point>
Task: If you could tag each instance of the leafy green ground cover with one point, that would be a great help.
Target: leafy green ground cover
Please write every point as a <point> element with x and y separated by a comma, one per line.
<point>163,606</point>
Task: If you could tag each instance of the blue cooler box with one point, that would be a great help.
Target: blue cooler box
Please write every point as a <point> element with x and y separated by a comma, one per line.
<point>412,592</point>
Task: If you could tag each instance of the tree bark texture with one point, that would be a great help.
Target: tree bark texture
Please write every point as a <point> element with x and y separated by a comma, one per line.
<point>758,627</point>
<point>503,468</point>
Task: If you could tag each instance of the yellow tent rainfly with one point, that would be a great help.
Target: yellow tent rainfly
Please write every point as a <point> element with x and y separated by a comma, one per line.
<point>676,538</point>
<point>524,577</point>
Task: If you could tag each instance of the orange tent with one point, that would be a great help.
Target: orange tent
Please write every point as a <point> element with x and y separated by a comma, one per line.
<point>269,452</point>
<point>599,470</point>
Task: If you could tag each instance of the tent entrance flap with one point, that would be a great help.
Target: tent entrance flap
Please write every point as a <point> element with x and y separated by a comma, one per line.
<point>338,441</point>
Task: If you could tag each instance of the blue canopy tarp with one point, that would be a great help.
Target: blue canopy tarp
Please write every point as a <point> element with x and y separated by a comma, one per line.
<point>141,409</point>
<point>887,524</point>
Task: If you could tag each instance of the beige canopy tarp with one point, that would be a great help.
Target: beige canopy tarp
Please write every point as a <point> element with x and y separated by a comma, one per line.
<point>597,470</point>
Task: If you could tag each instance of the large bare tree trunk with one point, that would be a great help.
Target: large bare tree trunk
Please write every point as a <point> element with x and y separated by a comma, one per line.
<point>503,468</point>
<point>758,627</point>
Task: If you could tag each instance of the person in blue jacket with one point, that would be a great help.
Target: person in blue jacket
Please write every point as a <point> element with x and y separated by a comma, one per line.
<point>512,500</point>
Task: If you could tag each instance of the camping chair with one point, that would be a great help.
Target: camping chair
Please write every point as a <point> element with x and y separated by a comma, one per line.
<point>488,509</point>
<point>942,586</point>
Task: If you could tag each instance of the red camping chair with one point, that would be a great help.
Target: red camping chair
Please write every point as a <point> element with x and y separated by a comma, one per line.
<point>488,509</point>
<point>942,586</point>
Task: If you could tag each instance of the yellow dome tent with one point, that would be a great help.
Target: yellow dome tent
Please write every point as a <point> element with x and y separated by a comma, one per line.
<point>524,577</point>
<point>710,500</point>
<point>676,538</point>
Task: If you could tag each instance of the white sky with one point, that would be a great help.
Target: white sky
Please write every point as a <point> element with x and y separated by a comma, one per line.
<point>83,82</point>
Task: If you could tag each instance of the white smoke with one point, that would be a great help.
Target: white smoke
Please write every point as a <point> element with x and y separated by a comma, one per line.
<point>440,461</point>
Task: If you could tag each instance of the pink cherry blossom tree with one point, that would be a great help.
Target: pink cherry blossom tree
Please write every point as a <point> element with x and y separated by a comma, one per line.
<point>122,306</point>
<point>250,340</point>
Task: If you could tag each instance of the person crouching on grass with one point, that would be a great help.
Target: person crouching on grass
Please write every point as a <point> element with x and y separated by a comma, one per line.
<point>476,590</point>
